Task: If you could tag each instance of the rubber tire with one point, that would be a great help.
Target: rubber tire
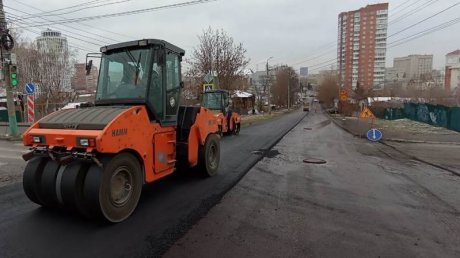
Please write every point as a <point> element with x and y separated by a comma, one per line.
<point>90,207</point>
<point>71,185</point>
<point>237,128</point>
<point>204,164</point>
<point>97,188</point>
<point>47,191</point>
<point>31,178</point>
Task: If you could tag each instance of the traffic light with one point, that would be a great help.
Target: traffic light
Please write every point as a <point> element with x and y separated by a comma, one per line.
<point>13,76</point>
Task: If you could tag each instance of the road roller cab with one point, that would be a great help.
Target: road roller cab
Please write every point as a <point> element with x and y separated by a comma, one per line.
<point>96,159</point>
<point>229,122</point>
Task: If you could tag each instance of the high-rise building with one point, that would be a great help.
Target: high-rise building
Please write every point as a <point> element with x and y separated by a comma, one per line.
<point>452,76</point>
<point>52,41</point>
<point>361,47</point>
<point>54,47</point>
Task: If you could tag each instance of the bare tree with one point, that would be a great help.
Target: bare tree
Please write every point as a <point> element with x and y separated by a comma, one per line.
<point>328,90</point>
<point>49,70</point>
<point>218,52</point>
<point>286,81</point>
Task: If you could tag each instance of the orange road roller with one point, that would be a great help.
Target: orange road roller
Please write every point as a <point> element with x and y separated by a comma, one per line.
<point>95,160</point>
<point>218,101</point>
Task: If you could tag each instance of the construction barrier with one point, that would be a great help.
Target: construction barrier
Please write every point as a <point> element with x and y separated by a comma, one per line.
<point>437,115</point>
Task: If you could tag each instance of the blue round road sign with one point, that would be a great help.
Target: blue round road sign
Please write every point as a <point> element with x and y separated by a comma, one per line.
<point>30,88</point>
<point>374,135</point>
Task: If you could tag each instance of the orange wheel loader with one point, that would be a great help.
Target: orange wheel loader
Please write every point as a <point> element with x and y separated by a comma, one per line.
<point>95,160</point>
<point>229,122</point>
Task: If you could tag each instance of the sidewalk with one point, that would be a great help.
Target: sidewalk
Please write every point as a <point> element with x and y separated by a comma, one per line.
<point>402,130</point>
<point>436,146</point>
<point>4,131</point>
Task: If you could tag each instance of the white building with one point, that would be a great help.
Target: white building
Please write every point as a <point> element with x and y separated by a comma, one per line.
<point>452,76</point>
<point>413,67</point>
<point>52,42</point>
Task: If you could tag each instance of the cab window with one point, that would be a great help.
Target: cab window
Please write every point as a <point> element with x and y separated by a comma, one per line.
<point>172,84</point>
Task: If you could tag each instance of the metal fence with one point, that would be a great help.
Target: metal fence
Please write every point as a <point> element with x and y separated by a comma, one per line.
<point>437,115</point>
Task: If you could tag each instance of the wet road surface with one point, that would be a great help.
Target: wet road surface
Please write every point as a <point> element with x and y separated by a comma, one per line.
<point>367,200</point>
<point>167,209</point>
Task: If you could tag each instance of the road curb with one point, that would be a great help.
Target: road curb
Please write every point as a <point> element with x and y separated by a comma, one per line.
<point>415,141</point>
<point>344,128</point>
<point>390,139</point>
<point>454,172</point>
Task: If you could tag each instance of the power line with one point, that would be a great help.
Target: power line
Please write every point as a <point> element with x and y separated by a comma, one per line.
<point>429,17</point>
<point>413,25</point>
<point>51,20</point>
<point>139,11</point>
<point>60,9</point>
<point>81,23</point>
<point>411,37</point>
<point>70,36</point>
<point>424,32</point>
<point>405,2</point>
<point>81,8</point>
<point>400,10</point>
<point>414,11</point>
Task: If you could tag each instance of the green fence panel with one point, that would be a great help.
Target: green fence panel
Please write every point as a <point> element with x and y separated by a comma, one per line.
<point>410,110</point>
<point>436,115</point>
<point>454,119</point>
<point>394,113</point>
<point>4,116</point>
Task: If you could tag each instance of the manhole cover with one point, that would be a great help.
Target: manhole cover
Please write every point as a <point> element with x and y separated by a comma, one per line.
<point>314,161</point>
<point>307,128</point>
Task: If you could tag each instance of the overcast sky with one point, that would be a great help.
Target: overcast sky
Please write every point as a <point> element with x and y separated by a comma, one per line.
<point>292,31</point>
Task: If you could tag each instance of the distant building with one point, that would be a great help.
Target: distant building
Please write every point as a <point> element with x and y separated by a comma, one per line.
<point>413,67</point>
<point>362,43</point>
<point>52,43</point>
<point>303,72</point>
<point>452,74</point>
<point>84,83</point>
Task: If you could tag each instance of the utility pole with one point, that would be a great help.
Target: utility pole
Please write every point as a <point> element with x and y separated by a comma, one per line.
<point>5,52</point>
<point>289,91</point>
<point>269,89</point>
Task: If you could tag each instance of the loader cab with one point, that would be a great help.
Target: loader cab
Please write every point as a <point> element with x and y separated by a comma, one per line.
<point>216,100</point>
<point>144,72</point>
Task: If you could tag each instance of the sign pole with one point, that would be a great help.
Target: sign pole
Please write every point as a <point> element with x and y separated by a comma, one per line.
<point>30,109</point>
<point>12,122</point>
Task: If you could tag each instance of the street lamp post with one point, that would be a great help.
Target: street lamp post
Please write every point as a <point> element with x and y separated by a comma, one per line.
<point>269,90</point>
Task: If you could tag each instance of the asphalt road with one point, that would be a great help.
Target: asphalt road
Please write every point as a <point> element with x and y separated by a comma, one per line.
<point>167,209</point>
<point>11,163</point>
<point>367,200</point>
